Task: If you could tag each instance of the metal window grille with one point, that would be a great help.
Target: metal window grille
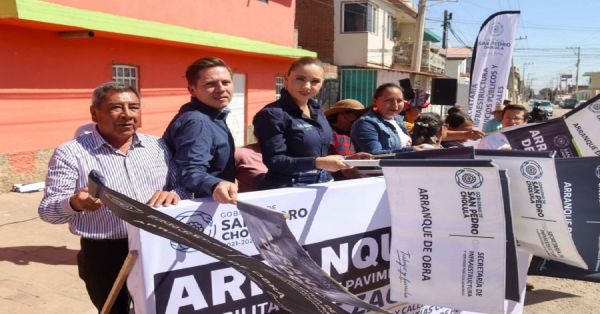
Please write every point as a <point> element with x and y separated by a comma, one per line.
<point>278,86</point>
<point>126,74</point>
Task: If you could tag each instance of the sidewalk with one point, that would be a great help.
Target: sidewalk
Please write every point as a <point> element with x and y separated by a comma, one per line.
<point>38,269</point>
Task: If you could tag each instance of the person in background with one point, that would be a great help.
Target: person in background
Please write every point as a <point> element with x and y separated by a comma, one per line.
<point>458,135</point>
<point>341,116</point>
<point>381,130</point>
<point>512,116</point>
<point>198,135</point>
<point>457,122</point>
<point>428,131</point>
<point>454,109</point>
<point>294,134</point>
<point>495,123</point>
<point>137,165</point>
<point>250,170</point>
<point>412,110</point>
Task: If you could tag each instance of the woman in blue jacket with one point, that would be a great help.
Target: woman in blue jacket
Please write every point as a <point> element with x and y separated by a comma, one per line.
<point>382,130</point>
<point>294,134</point>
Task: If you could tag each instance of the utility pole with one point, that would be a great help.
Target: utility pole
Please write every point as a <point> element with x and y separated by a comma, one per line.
<point>447,19</point>
<point>418,48</point>
<point>523,83</point>
<point>578,48</point>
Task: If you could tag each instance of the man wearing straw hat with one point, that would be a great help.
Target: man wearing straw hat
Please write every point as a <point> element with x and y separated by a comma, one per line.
<point>340,117</point>
<point>494,124</point>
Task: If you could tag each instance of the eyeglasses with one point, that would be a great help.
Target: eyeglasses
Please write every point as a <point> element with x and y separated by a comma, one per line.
<point>514,118</point>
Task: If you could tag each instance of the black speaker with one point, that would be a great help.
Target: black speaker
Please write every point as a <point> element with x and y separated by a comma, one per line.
<point>443,91</point>
<point>407,89</point>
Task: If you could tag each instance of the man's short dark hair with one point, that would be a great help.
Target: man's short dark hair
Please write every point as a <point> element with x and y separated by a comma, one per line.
<point>516,107</point>
<point>101,92</point>
<point>454,109</point>
<point>456,119</point>
<point>193,70</point>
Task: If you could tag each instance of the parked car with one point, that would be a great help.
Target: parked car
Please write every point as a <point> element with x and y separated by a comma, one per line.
<point>568,103</point>
<point>545,106</point>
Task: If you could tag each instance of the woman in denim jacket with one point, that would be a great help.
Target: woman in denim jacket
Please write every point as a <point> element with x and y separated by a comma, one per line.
<point>382,130</point>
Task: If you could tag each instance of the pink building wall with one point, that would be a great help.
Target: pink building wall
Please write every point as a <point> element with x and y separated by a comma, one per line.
<point>244,18</point>
<point>46,84</point>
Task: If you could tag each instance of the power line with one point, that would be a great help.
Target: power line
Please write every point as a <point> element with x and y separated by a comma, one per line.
<point>456,35</point>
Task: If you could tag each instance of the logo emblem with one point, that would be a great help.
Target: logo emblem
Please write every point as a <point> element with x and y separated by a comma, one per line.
<point>468,178</point>
<point>531,170</point>
<point>497,29</point>
<point>561,141</point>
<point>598,172</point>
<point>595,107</point>
<point>200,221</point>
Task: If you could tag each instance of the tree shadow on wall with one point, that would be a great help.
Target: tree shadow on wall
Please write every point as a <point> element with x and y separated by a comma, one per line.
<point>51,255</point>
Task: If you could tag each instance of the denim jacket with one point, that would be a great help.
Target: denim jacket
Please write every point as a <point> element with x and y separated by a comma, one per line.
<point>372,134</point>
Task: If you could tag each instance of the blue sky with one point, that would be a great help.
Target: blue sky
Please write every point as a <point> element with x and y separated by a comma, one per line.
<point>548,28</point>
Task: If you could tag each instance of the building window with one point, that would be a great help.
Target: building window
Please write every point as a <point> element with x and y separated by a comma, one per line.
<point>358,17</point>
<point>391,27</point>
<point>278,86</point>
<point>126,74</point>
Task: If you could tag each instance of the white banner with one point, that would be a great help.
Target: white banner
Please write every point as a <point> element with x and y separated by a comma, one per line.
<point>344,226</point>
<point>452,234</point>
<point>540,226</point>
<point>492,58</point>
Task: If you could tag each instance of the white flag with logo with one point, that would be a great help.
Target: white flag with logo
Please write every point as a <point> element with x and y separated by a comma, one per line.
<point>448,243</point>
<point>540,226</point>
<point>584,125</point>
<point>492,58</point>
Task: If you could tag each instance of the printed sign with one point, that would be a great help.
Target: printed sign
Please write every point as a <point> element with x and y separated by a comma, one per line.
<point>492,58</point>
<point>579,182</point>
<point>277,245</point>
<point>552,135</point>
<point>540,226</point>
<point>448,232</point>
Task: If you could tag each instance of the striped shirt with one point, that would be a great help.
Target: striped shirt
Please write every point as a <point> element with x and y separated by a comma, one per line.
<point>146,168</point>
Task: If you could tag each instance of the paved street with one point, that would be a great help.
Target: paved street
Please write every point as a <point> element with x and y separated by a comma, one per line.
<point>38,270</point>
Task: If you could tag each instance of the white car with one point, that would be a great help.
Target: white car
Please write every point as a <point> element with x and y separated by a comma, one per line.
<point>545,106</point>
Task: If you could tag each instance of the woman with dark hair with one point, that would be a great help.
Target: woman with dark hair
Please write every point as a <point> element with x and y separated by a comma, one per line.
<point>294,134</point>
<point>428,130</point>
<point>381,130</point>
<point>458,121</point>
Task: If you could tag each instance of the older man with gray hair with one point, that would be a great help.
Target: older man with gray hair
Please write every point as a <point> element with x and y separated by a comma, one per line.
<point>132,163</point>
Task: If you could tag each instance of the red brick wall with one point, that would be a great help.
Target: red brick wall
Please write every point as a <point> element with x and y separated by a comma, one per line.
<point>314,21</point>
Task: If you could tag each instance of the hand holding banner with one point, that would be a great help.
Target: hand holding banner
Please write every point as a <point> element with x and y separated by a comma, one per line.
<point>287,293</point>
